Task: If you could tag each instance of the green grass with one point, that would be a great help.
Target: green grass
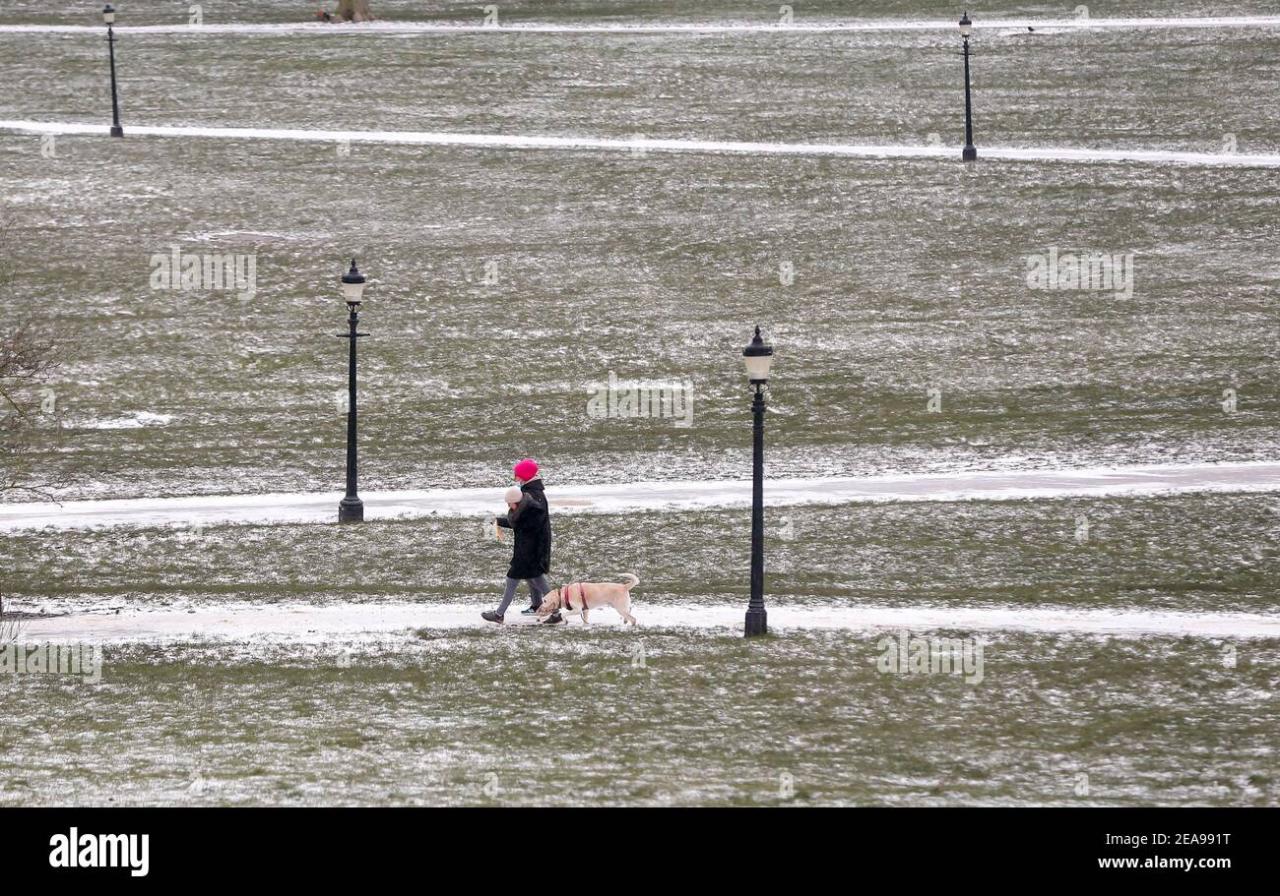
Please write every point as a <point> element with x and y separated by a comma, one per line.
<point>598,273</point>
<point>1194,553</point>
<point>466,11</point>
<point>551,717</point>
<point>908,274</point>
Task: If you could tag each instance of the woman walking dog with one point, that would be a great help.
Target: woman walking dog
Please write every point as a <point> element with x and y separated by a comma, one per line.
<point>529,518</point>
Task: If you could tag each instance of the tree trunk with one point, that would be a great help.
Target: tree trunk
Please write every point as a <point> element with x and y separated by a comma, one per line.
<point>354,11</point>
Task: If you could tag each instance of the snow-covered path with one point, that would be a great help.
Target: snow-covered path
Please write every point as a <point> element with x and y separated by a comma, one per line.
<point>653,496</point>
<point>640,144</point>
<point>349,622</point>
<point>801,26</point>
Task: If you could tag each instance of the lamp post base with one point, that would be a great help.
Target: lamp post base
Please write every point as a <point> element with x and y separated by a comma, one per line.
<point>970,153</point>
<point>350,510</point>
<point>117,132</point>
<point>757,622</point>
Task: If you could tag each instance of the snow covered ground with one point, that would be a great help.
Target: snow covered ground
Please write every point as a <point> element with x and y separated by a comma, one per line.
<point>647,496</point>
<point>638,144</point>
<point>334,624</point>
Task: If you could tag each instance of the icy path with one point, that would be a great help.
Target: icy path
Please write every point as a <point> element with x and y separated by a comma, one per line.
<point>309,624</point>
<point>948,25</point>
<point>640,144</point>
<point>642,496</point>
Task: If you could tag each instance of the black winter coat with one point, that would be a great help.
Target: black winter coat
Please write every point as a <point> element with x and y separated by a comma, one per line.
<point>531,522</point>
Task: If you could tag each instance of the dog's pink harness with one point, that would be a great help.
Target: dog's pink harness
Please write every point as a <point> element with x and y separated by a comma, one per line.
<point>565,592</point>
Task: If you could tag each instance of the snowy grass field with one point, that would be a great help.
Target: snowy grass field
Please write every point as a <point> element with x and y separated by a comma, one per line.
<point>650,268</point>
<point>508,284</point>
<point>355,711</point>
<point>878,279</point>
<point>1211,553</point>
<point>543,717</point>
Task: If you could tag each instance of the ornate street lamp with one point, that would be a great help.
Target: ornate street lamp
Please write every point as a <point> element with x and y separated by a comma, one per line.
<point>109,19</point>
<point>970,152</point>
<point>757,356</point>
<point>351,508</point>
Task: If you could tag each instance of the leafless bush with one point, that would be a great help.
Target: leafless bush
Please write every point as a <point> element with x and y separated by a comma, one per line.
<point>31,352</point>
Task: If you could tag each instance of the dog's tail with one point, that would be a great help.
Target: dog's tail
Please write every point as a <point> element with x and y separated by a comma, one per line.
<point>635,580</point>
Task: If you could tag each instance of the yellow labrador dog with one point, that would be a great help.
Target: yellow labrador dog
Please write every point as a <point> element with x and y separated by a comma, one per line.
<point>581,597</point>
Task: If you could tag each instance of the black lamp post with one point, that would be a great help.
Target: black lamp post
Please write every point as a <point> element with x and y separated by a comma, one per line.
<point>109,17</point>
<point>351,508</point>
<point>970,151</point>
<point>758,356</point>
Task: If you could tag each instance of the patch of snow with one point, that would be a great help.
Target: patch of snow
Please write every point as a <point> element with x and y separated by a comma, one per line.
<point>989,485</point>
<point>136,420</point>
<point>500,141</point>
<point>310,624</point>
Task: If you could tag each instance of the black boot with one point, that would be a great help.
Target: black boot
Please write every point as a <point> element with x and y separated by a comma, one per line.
<point>553,618</point>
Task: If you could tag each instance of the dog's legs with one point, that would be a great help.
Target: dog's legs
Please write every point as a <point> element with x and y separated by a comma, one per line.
<point>584,614</point>
<point>625,612</point>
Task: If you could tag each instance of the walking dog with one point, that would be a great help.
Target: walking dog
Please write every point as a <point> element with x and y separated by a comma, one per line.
<point>580,598</point>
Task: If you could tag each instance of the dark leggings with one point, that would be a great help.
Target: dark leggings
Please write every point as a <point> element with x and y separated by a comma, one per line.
<point>537,589</point>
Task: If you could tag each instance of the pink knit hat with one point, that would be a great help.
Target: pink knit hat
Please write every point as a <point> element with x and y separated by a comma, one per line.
<point>526,469</point>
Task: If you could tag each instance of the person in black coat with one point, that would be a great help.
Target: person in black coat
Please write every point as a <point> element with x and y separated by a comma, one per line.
<point>530,520</point>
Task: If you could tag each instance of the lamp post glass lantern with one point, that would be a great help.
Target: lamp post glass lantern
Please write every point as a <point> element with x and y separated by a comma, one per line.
<point>109,19</point>
<point>970,152</point>
<point>351,508</point>
<point>758,356</point>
